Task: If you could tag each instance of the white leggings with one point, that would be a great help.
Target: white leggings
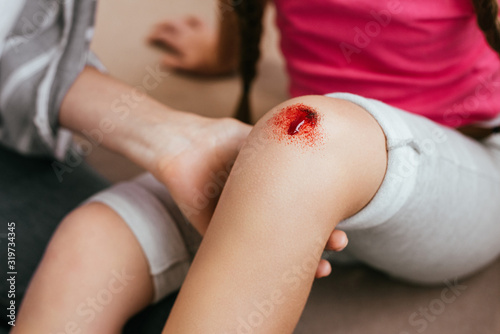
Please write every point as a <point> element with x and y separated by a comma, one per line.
<point>435,217</point>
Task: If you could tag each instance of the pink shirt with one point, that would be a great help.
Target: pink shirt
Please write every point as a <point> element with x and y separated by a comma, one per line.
<point>428,57</point>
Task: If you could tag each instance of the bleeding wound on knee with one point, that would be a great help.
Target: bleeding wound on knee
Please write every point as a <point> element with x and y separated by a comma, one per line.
<point>297,124</point>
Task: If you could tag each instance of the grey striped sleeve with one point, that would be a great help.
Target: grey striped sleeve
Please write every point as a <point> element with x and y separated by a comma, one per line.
<point>42,56</point>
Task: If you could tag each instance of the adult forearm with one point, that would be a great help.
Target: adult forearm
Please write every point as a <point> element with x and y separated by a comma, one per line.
<point>123,119</point>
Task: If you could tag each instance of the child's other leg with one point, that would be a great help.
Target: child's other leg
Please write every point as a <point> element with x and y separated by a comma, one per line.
<point>93,277</point>
<point>286,193</point>
<point>103,265</point>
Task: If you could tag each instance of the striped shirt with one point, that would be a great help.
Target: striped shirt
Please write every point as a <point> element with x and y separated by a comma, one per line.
<point>44,45</point>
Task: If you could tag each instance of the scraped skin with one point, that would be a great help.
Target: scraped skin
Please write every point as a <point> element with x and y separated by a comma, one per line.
<point>297,124</point>
<point>255,267</point>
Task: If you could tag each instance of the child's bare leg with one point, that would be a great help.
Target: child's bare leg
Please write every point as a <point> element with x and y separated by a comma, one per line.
<point>255,267</point>
<point>92,278</point>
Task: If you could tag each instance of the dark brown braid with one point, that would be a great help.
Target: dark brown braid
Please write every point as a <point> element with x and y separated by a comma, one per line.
<point>250,14</point>
<point>487,19</point>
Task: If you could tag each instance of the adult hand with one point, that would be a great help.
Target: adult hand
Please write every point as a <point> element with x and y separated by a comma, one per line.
<point>191,45</point>
<point>195,175</point>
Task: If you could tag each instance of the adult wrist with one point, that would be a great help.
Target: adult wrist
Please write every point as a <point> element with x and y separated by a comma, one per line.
<point>154,134</point>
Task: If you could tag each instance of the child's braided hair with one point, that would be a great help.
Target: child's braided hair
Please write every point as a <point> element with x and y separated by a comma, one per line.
<point>250,14</point>
<point>487,19</point>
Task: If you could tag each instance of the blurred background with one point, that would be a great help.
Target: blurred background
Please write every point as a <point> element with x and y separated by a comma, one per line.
<point>355,299</point>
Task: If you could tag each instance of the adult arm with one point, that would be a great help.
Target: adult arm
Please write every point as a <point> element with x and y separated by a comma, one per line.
<point>181,149</point>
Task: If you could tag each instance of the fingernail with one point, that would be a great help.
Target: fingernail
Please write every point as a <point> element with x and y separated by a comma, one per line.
<point>346,241</point>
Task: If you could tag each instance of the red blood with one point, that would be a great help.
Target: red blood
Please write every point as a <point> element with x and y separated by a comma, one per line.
<point>303,116</point>
<point>297,124</point>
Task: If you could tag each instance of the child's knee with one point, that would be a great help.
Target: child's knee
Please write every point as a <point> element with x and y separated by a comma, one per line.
<point>323,136</point>
<point>84,233</point>
<point>317,120</point>
<point>94,253</point>
<point>315,125</point>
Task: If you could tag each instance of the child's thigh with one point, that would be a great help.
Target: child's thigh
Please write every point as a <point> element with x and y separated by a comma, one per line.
<point>167,240</point>
<point>437,214</point>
